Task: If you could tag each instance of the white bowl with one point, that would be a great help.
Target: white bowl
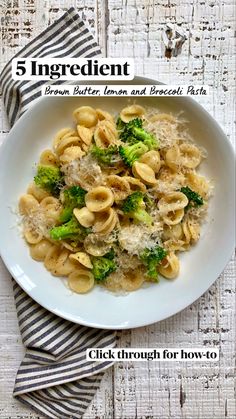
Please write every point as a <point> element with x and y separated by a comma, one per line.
<point>199,267</point>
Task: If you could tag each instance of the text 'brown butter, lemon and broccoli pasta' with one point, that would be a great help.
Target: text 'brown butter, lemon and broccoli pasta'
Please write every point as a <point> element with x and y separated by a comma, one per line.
<point>116,199</point>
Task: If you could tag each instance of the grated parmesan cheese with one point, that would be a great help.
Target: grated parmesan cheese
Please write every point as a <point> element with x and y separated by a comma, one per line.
<point>85,172</point>
<point>134,238</point>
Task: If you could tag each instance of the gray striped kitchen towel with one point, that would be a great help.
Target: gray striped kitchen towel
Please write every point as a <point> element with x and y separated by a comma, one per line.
<point>54,378</point>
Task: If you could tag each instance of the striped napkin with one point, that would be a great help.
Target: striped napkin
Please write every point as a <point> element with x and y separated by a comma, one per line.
<point>54,378</point>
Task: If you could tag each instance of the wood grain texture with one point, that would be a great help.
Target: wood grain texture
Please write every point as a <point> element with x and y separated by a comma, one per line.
<point>134,28</point>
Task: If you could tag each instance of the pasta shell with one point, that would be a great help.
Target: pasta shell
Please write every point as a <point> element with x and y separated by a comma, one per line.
<point>145,173</point>
<point>185,155</point>
<point>135,184</point>
<point>131,112</point>
<point>52,257</point>
<point>63,133</point>
<point>86,116</point>
<point>64,266</point>
<point>39,250</point>
<point>173,245</point>
<point>190,155</point>
<point>169,266</point>
<point>104,220</point>
<point>198,183</point>
<point>105,134</point>
<point>81,281</point>
<point>48,158</point>
<point>95,245</point>
<point>27,204</point>
<point>172,202</point>
<point>49,200</point>
<point>38,193</point>
<point>83,258</point>
<point>152,159</point>
<point>173,217</point>
<point>85,135</point>
<point>104,115</point>
<point>173,232</point>
<point>191,231</point>
<point>132,280</point>
<point>119,186</point>
<point>67,142</point>
<point>71,153</point>
<point>172,157</point>
<point>85,217</point>
<point>57,261</point>
<point>52,208</point>
<point>99,199</point>
<point>68,246</point>
<point>32,236</point>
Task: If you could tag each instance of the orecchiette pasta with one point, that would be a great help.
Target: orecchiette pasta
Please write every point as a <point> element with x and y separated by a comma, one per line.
<point>105,134</point>
<point>99,199</point>
<point>83,259</point>
<point>152,159</point>
<point>169,267</point>
<point>171,207</point>
<point>172,202</point>
<point>131,112</point>
<point>198,183</point>
<point>104,115</point>
<point>48,158</point>
<point>63,133</point>
<point>40,250</point>
<point>135,184</point>
<point>32,236</point>
<point>57,261</point>
<point>132,280</point>
<point>119,186</point>
<point>67,142</point>
<point>86,116</point>
<point>105,221</point>
<point>71,153</point>
<point>85,217</point>
<point>96,246</point>
<point>81,281</point>
<point>191,231</point>
<point>86,135</point>
<point>38,193</point>
<point>183,155</point>
<point>52,208</point>
<point>27,204</point>
<point>116,199</point>
<point>145,173</point>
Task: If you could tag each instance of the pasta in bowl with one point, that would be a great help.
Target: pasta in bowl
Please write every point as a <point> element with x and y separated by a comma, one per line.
<point>116,199</point>
<point>50,121</point>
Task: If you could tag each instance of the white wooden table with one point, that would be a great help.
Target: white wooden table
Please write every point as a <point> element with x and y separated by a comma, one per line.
<point>134,28</point>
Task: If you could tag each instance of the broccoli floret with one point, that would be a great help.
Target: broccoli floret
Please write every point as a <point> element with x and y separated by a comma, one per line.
<point>120,124</point>
<point>148,139</point>
<point>151,258</point>
<point>49,178</point>
<point>73,198</point>
<point>133,132</point>
<point>130,153</point>
<point>195,200</point>
<point>102,267</point>
<point>104,155</point>
<point>110,255</point>
<point>134,206</point>
<point>71,230</point>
